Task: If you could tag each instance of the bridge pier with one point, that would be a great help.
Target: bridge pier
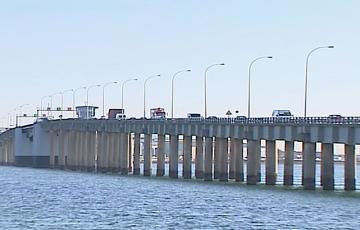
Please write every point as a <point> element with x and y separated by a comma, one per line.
<point>239,159</point>
<point>147,155</point>
<point>289,163</point>
<point>199,158</point>
<point>223,159</point>
<point>216,158</point>
<point>349,169</point>
<point>253,161</point>
<point>327,166</point>
<point>208,167</point>
<point>160,162</point>
<point>123,151</point>
<point>174,156</point>
<point>271,163</point>
<point>136,166</point>
<point>232,159</point>
<point>309,162</point>
<point>187,153</point>
<point>130,150</point>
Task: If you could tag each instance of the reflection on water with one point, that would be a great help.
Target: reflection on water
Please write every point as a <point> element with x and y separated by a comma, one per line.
<point>51,199</point>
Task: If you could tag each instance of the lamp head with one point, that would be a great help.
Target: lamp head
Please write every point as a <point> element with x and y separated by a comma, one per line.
<point>188,70</point>
<point>222,63</point>
<point>269,57</point>
<point>331,47</point>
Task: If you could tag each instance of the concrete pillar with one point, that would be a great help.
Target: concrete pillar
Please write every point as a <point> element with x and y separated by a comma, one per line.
<point>350,164</point>
<point>52,149</point>
<point>130,150</point>
<point>160,162</point>
<point>114,156</point>
<point>239,159</point>
<point>208,166</point>
<point>124,155</point>
<point>271,163</point>
<point>136,166</point>
<point>199,158</point>
<point>232,159</point>
<point>216,158</point>
<point>309,165</point>
<point>63,148</point>
<point>327,166</point>
<point>289,163</point>
<point>72,157</point>
<point>187,148</point>
<point>90,147</point>
<point>102,156</point>
<point>147,154</point>
<point>223,159</point>
<point>174,156</point>
<point>253,161</point>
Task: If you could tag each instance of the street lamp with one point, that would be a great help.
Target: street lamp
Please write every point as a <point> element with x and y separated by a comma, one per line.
<point>249,89</point>
<point>205,105</point>
<point>145,90</point>
<point>122,91</point>
<point>74,92</point>
<point>306,72</point>
<point>20,111</point>
<point>87,92</point>
<point>103,96</point>
<point>51,99</point>
<point>62,99</point>
<point>172,90</point>
<point>41,103</point>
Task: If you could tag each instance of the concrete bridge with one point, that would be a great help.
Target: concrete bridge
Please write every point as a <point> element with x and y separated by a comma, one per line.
<point>114,146</point>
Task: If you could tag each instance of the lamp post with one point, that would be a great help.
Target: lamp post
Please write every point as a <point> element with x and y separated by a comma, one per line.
<point>146,80</point>
<point>172,90</point>
<point>249,88</point>
<point>20,111</point>
<point>122,91</point>
<point>41,102</point>
<point>87,92</point>
<point>306,72</point>
<point>103,96</point>
<point>205,76</point>
<point>62,99</point>
<point>51,99</point>
<point>74,92</point>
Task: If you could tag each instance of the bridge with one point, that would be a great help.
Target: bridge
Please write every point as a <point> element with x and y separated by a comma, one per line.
<point>115,146</point>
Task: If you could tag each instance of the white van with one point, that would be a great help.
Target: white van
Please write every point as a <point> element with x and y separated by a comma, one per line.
<point>282,113</point>
<point>194,116</point>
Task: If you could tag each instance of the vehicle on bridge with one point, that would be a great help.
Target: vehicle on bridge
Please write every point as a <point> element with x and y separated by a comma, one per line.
<point>282,113</point>
<point>157,113</point>
<point>194,116</point>
<point>116,114</point>
<point>335,118</point>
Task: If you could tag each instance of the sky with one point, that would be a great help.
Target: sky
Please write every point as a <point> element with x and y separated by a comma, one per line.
<point>52,46</point>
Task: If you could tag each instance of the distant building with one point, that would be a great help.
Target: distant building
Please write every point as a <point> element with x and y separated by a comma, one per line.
<point>86,112</point>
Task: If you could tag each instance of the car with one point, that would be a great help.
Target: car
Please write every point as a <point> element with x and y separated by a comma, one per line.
<point>211,118</point>
<point>334,118</point>
<point>282,113</point>
<point>194,116</point>
<point>240,118</point>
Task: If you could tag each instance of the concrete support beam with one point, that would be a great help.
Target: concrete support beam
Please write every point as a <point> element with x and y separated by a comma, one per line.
<point>208,167</point>
<point>174,156</point>
<point>187,149</point>
<point>136,166</point>
<point>223,159</point>
<point>147,155</point>
<point>124,154</point>
<point>289,163</point>
<point>199,158</point>
<point>349,169</point>
<point>130,150</point>
<point>239,159</point>
<point>253,161</point>
<point>216,158</point>
<point>232,159</point>
<point>271,163</point>
<point>309,163</point>
<point>327,166</point>
<point>160,162</point>
<point>90,143</point>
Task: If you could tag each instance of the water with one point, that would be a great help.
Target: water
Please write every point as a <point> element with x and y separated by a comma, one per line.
<point>52,199</point>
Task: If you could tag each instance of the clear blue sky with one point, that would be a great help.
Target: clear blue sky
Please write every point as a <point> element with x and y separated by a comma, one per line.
<point>50,46</point>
